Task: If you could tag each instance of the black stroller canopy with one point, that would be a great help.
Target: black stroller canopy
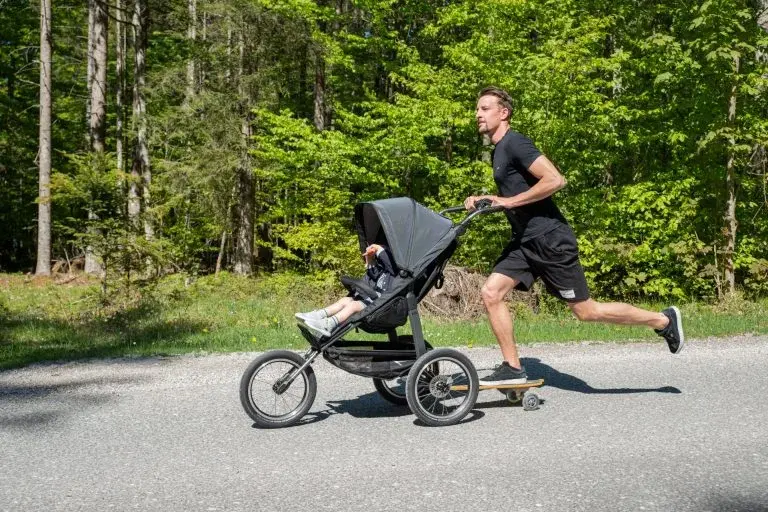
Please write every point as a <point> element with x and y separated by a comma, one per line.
<point>409,229</point>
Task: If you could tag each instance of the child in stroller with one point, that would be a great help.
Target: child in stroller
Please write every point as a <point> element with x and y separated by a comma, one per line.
<point>379,271</point>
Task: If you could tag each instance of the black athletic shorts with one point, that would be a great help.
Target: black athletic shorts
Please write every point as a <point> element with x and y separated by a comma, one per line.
<point>554,257</point>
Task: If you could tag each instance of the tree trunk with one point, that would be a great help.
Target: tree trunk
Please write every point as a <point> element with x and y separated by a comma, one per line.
<point>191,37</point>
<point>762,17</point>
<point>202,64</point>
<point>321,108</point>
<point>120,47</point>
<point>97,122</point>
<point>485,149</point>
<point>44,203</point>
<point>140,169</point>
<point>99,52</point>
<point>246,193</point>
<point>89,72</point>
<point>228,70</point>
<point>222,247</point>
<point>731,224</point>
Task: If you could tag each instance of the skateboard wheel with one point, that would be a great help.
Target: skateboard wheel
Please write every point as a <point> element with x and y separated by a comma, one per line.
<point>513,397</point>
<point>531,401</point>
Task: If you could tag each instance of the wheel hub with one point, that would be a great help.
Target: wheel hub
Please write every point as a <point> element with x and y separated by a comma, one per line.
<point>440,386</point>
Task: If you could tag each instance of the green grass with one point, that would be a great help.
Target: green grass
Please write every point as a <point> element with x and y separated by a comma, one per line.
<point>44,321</point>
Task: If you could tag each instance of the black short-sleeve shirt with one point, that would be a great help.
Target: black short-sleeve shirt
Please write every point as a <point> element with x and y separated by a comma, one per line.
<point>512,157</point>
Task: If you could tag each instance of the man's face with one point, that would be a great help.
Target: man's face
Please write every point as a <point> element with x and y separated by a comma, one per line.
<point>489,114</point>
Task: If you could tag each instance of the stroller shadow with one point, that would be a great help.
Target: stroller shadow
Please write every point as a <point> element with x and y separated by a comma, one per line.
<point>557,379</point>
<point>371,405</point>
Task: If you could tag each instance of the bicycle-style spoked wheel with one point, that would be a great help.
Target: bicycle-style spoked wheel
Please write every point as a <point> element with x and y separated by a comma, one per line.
<point>268,397</point>
<point>442,387</point>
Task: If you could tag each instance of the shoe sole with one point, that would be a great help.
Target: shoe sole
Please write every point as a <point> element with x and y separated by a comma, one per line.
<point>502,382</point>
<point>317,330</point>
<point>680,329</point>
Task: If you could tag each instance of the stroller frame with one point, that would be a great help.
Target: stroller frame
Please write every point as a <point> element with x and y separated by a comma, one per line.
<point>441,385</point>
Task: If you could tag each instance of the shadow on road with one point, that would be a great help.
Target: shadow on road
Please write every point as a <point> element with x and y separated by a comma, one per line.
<point>557,379</point>
<point>61,400</point>
<point>370,405</point>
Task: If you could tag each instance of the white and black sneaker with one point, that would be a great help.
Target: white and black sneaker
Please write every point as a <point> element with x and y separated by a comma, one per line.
<point>317,314</point>
<point>673,332</point>
<point>505,374</point>
<point>323,327</point>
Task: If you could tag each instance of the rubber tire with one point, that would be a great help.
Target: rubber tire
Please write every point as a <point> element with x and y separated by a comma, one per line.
<point>381,384</point>
<point>388,394</point>
<point>432,357</point>
<point>531,401</point>
<point>293,416</point>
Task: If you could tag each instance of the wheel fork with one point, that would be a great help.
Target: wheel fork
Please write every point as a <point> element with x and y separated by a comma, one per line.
<point>283,383</point>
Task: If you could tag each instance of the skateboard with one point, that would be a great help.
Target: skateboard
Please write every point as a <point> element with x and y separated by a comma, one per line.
<point>515,393</point>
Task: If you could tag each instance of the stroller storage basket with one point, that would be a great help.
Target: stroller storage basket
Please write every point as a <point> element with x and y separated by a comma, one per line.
<point>372,359</point>
<point>387,317</point>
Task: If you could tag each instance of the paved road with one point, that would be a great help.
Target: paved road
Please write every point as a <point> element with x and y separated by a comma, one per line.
<point>624,427</point>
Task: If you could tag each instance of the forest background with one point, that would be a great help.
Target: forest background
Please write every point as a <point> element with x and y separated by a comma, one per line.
<point>193,136</point>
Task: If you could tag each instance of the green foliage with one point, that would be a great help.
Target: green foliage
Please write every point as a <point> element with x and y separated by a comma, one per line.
<point>630,100</point>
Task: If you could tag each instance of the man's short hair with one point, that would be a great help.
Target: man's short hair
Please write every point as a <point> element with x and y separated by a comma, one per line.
<point>503,97</point>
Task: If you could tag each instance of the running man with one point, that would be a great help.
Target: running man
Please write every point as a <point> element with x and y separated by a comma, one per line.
<point>543,245</point>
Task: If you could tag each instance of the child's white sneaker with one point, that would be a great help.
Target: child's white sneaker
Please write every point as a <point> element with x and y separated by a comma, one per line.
<point>322,327</point>
<point>317,314</point>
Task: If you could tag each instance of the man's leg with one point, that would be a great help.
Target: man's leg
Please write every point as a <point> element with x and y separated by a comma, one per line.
<point>667,324</point>
<point>617,313</point>
<point>556,257</point>
<point>493,292</point>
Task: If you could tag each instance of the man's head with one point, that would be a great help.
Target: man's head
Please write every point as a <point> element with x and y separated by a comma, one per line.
<point>494,109</point>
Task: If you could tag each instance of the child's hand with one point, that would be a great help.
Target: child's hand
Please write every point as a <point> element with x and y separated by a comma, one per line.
<point>370,253</point>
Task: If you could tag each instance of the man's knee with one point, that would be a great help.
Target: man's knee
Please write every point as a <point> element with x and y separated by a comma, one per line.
<point>586,311</point>
<point>491,294</point>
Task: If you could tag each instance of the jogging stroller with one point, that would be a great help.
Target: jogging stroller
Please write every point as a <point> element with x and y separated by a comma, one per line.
<point>440,386</point>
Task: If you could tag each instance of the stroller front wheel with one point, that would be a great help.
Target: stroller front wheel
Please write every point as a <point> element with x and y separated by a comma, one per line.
<point>442,387</point>
<point>272,391</point>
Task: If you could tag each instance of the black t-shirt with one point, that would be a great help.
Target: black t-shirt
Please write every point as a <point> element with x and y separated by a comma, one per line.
<point>512,157</point>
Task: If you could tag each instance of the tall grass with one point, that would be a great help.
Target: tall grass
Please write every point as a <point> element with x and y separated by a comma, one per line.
<point>44,321</point>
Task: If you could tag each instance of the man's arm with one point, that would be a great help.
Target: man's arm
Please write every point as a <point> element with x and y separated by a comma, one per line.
<point>550,181</point>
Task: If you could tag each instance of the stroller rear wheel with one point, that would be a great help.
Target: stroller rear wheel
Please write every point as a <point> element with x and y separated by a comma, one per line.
<point>431,387</point>
<point>273,393</point>
<point>392,390</point>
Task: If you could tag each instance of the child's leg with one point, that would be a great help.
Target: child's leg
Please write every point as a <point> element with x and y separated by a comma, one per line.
<point>350,308</point>
<point>328,311</point>
<point>325,326</point>
<point>338,306</point>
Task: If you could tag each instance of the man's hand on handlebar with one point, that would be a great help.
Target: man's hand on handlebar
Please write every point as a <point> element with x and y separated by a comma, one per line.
<point>470,203</point>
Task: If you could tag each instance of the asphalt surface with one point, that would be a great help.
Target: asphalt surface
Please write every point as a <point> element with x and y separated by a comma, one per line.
<point>623,427</point>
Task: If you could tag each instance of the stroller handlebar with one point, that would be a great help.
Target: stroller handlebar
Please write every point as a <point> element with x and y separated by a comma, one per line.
<point>482,206</point>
